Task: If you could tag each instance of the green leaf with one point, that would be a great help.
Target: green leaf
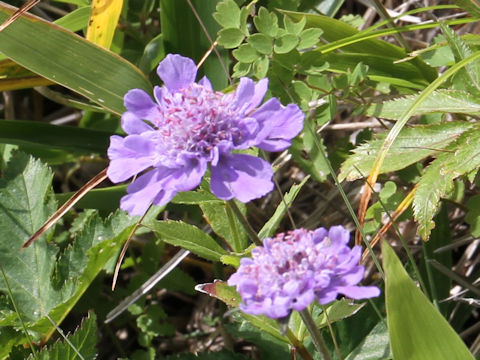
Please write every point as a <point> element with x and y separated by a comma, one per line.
<point>153,53</point>
<point>376,345</point>
<point>459,158</point>
<point>75,20</point>
<point>266,22</point>
<point>417,330</point>
<point>338,33</point>
<point>68,138</point>
<point>84,339</point>
<point>188,237</point>
<point>260,67</point>
<point>468,78</point>
<point>339,310</point>
<point>225,224</point>
<point>411,145</point>
<point>272,224</point>
<point>96,73</point>
<point>293,27</point>
<point>230,38</point>
<point>473,215</point>
<point>442,101</point>
<point>262,43</point>
<point>270,347</point>
<point>197,197</point>
<point>309,37</point>
<point>471,6</point>
<point>285,43</point>
<point>315,164</point>
<point>227,14</point>
<point>42,281</point>
<point>246,53</point>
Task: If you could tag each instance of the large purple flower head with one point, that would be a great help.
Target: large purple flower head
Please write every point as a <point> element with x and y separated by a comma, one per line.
<point>188,127</point>
<point>293,269</point>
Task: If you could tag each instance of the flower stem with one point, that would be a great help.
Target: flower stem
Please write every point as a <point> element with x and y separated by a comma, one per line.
<point>298,346</point>
<point>315,334</point>
<point>253,235</point>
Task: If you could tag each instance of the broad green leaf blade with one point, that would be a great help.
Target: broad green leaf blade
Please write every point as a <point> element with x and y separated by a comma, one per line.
<point>417,330</point>
<point>460,157</point>
<point>339,310</point>
<point>375,346</point>
<point>43,135</point>
<point>84,339</point>
<point>442,101</point>
<point>272,224</point>
<point>225,224</point>
<point>188,237</point>
<point>103,21</point>
<point>75,20</point>
<point>412,145</point>
<point>69,60</point>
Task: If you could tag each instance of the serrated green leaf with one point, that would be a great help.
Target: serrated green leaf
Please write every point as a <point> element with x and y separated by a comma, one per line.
<point>376,345</point>
<point>417,330</point>
<point>246,53</point>
<point>227,14</point>
<point>266,22</point>
<point>225,224</point>
<point>459,158</point>
<point>262,43</point>
<point>272,224</point>
<point>444,101</point>
<point>188,237</point>
<point>285,43</point>
<point>230,38</point>
<point>84,339</point>
<point>70,60</point>
<point>412,145</point>
<point>196,197</point>
<point>309,37</point>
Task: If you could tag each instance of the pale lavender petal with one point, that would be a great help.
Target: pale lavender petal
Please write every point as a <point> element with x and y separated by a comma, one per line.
<point>249,95</point>
<point>206,83</point>
<point>141,104</point>
<point>132,124</point>
<point>240,176</point>
<point>339,234</point>
<point>177,72</point>
<point>129,156</point>
<point>284,126</point>
<point>146,190</point>
<point>359,292</point>
<point>190,175</point>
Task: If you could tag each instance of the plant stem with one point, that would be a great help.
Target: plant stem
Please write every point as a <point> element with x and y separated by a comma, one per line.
<point>315,334</point>
<point>253,235</point>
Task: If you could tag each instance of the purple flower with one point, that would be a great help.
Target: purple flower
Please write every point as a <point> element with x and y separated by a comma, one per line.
<point>293,269</point>
<point>190,126</point>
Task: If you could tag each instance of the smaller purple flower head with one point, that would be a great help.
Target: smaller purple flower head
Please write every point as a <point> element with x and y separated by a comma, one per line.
<point>189,128</point>
<point>293,269</point>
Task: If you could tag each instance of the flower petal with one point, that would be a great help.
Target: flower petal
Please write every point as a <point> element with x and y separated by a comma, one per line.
<point>177,72</point>
<point>131,124</point>
<point>129,156</point>
<point>284,125</point>
<point>206,83</point>
<point>190,175</point>
<point>141,105</point>
<point>249,95</point>
<point>359,292</point>
<point>240,176</point>
<point>146,190</point>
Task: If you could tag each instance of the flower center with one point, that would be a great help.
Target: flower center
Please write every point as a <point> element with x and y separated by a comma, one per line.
<point>196,119</point>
